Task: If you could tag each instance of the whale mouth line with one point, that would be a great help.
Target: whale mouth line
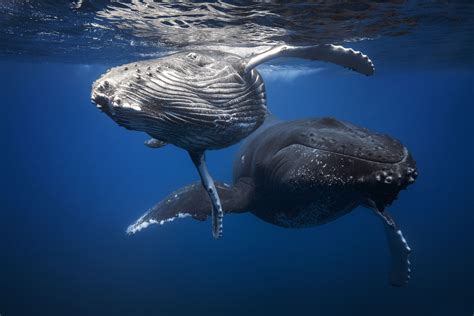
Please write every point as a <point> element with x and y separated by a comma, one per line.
<point>403,159</point>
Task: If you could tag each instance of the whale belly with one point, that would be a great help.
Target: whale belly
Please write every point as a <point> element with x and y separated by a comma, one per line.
<point>321,207</point>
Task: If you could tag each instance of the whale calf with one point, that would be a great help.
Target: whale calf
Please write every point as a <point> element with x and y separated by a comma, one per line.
<point>306,173</point>
<point>203,99</point>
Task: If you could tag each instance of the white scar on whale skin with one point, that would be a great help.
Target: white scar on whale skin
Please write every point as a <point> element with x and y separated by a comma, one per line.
<point>140,224</point>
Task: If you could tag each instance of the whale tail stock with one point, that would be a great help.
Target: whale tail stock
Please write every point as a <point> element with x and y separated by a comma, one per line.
<point>193,201</point>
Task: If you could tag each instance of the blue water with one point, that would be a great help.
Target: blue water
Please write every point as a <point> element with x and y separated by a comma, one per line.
<point>72,181</point>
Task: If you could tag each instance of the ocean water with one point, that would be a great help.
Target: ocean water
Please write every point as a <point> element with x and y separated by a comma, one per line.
<point>72,180</point>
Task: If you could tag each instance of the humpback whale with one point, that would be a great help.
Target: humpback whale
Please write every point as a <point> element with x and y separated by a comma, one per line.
<point>203,99</point>
<point>306,173</point>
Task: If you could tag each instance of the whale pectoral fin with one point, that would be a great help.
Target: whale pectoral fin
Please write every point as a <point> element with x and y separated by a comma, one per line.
<point>199,160</point>
<point>189,201</point>
<point>155,143</point>
<point>339,55</point>
<point>193,201</point>
<point>399,250</point>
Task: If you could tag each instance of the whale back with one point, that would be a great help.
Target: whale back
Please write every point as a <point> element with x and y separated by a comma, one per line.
<point>196,100</point>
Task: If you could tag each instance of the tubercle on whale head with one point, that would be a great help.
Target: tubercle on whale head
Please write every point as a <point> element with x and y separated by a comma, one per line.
<point>108,93</point>
<point>102,90</point>
<point>387,182</point>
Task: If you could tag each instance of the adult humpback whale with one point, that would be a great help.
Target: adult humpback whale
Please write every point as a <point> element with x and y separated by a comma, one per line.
<point>306,173</point>
<point>199,100</point>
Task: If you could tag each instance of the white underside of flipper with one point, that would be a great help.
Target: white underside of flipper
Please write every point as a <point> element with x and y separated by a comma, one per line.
<point>399,251</point>
<point>143,222</point>
<point>346,57</point>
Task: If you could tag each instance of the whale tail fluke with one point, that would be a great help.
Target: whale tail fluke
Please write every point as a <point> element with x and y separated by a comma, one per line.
<point>193,201</point>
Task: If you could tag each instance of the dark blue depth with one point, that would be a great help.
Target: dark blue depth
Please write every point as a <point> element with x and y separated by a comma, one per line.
<point>72,181</point>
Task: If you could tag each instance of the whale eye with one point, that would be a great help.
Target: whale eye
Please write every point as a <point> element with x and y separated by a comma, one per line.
<point>199,59</point>
<point>193,56</point>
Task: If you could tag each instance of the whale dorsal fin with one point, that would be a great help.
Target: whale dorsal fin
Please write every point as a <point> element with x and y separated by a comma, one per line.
<point>346,57</point>
<point>193,201</point>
